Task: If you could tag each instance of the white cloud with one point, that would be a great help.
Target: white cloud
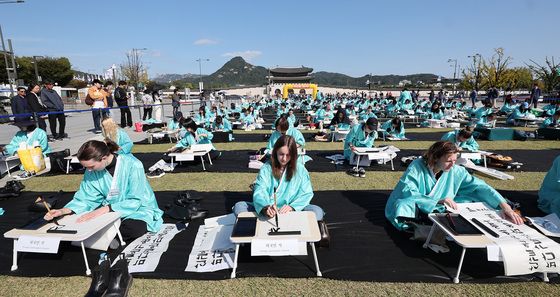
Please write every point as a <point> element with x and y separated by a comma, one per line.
<point>205,41</point>
<point>247,55</point>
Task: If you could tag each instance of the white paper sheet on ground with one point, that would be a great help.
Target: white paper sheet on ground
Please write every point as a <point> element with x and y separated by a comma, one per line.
<point>207,260</point>
<point>144,253</point>
<point>549,225</point>
<point>523,249</point>
<point>228,219</point>
<point>217,238</point>
<point>484,170</point>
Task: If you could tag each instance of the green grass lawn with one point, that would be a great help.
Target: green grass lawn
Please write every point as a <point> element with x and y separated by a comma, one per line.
<point>240,181</point>
<point>331,146</point>
<point>263,286</point>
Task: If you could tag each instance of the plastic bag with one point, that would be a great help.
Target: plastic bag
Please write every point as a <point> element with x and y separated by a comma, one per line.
<point>32,159</point>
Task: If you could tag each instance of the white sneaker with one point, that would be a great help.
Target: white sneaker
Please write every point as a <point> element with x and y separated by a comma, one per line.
<point>159,165</point>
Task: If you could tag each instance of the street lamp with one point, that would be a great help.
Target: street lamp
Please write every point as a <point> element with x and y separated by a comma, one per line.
<point>13,1</point>
<point>36,69</point>
<point>476,68</point>
<point>200,83</point>
<point>454,73</point>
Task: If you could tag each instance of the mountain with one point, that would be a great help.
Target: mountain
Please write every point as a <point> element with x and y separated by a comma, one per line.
<point>168,78</point>
<point>237,72</point>
<point>342,80</point>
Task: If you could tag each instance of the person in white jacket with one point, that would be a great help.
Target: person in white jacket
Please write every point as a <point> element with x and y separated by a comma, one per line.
<point>158,108</point>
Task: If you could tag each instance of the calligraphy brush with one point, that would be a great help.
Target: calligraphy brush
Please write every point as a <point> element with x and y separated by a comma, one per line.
<point>55,221</point>
<point>276,207</point>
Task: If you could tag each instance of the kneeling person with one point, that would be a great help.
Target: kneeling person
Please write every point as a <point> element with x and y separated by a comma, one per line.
<point>132,197</point>
<point>433,182</point>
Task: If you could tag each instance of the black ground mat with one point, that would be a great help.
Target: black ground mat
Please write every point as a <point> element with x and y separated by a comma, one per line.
<point>364,246</point>
<point>237,161</point>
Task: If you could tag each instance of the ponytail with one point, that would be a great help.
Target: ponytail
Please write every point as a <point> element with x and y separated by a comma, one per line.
<point>96,150</point>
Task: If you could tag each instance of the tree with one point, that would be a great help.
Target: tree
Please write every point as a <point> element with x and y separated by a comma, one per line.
<point>472,75</point>
<point>493,71</point>
<point>133,68</point>
<point>518,78</point>
<point>548,73</point>
<point>58,70</point>
<point>78,84</point>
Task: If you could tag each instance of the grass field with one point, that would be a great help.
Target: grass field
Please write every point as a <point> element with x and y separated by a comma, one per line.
<point>270,286</point>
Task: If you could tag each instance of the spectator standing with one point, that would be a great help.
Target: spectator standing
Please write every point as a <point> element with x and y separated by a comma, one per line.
<point>158,109</point>
<point>54,103</point>
<point>96,93</point>
<point>36,105</point>
<point>20,106</point>
<point>108,89</point>
<point>473,96</point>
<point>175,101</point>
<point>121,97</point>
<point>535,95</point>
<point>148,100</point>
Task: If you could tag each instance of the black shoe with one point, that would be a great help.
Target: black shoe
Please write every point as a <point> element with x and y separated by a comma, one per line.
<point>187,198</point>
<point>156,173</point>
<point>325,236</point>
<point>353,172</point>
<point>12,189</point>
<point>361,172</point>
<point>120,280</point>
<point>99,280</point>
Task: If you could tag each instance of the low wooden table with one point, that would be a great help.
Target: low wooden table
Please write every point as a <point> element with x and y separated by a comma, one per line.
<point>306,220</point>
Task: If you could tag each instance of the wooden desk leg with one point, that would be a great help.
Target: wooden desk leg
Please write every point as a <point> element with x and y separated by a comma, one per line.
<point>235,261</point>
<point>319,274</point>
<point>14,259</point>
<point>429,236</point>
<point>7,168</point>
<point>88,271</point>
<point>119,234</point>
<point>202,159</point>
<point>456,279</point>
<point>209,159</point>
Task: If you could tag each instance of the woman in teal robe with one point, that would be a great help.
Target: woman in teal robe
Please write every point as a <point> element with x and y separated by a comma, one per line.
<point>518,113</point>
<point>434,182</point>
<point>362,135</point>
<point>284,176</point>
<point>116,134</point>
<point>29,134</point>
<point>394,128</point>
<point>283,127</point>
<point>132,197</point>
<point>221,124</point>
<point>549,194</point>
<point>463,139</point>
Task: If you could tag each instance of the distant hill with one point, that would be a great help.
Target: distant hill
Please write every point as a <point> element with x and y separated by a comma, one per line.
<point>237,72</point>
<point>168,78</point>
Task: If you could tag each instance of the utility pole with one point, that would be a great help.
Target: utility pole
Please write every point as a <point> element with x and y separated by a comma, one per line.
<point>454,74</point>
<point>6,61</point>
<point>200,83</point>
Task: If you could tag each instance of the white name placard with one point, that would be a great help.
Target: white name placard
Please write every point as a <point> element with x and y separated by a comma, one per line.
<point>278,247</point>
<point>36,244</point>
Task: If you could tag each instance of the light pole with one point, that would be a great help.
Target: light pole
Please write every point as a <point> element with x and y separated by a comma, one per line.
<point>200,83</point>
<point>36,69</point>
<point>476,69</point>
<point>454,73</point>
<point>13,1</point>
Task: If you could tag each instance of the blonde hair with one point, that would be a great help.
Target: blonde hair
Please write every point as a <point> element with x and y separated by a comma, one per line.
<point>110,129</point>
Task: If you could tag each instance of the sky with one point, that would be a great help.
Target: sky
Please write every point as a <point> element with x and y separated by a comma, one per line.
<point>351,37</point>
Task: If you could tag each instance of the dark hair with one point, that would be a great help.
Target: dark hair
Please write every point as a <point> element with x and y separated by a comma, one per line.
<point>96,150</point>
<point>438,150</point>
<point>178,116</point>
<point>557,112</point>
<point>219,120</point>
<point>122,83</point>
<point>282,123</point>
<point>31,86</point>
<point>371,123</point>
<point>108,83</point>
<point>21,88</point>
<point>146,91</point>
<point>175,90</point>
<point>95,81</point>
<point>396,122</point>
<point>189,123</point>
<point>466,132</point>
<point>289,141</point>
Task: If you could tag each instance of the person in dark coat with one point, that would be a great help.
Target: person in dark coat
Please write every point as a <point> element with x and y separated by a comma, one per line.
<point>20,106</point>
<point>36,105</point>
<point>54,103</point>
